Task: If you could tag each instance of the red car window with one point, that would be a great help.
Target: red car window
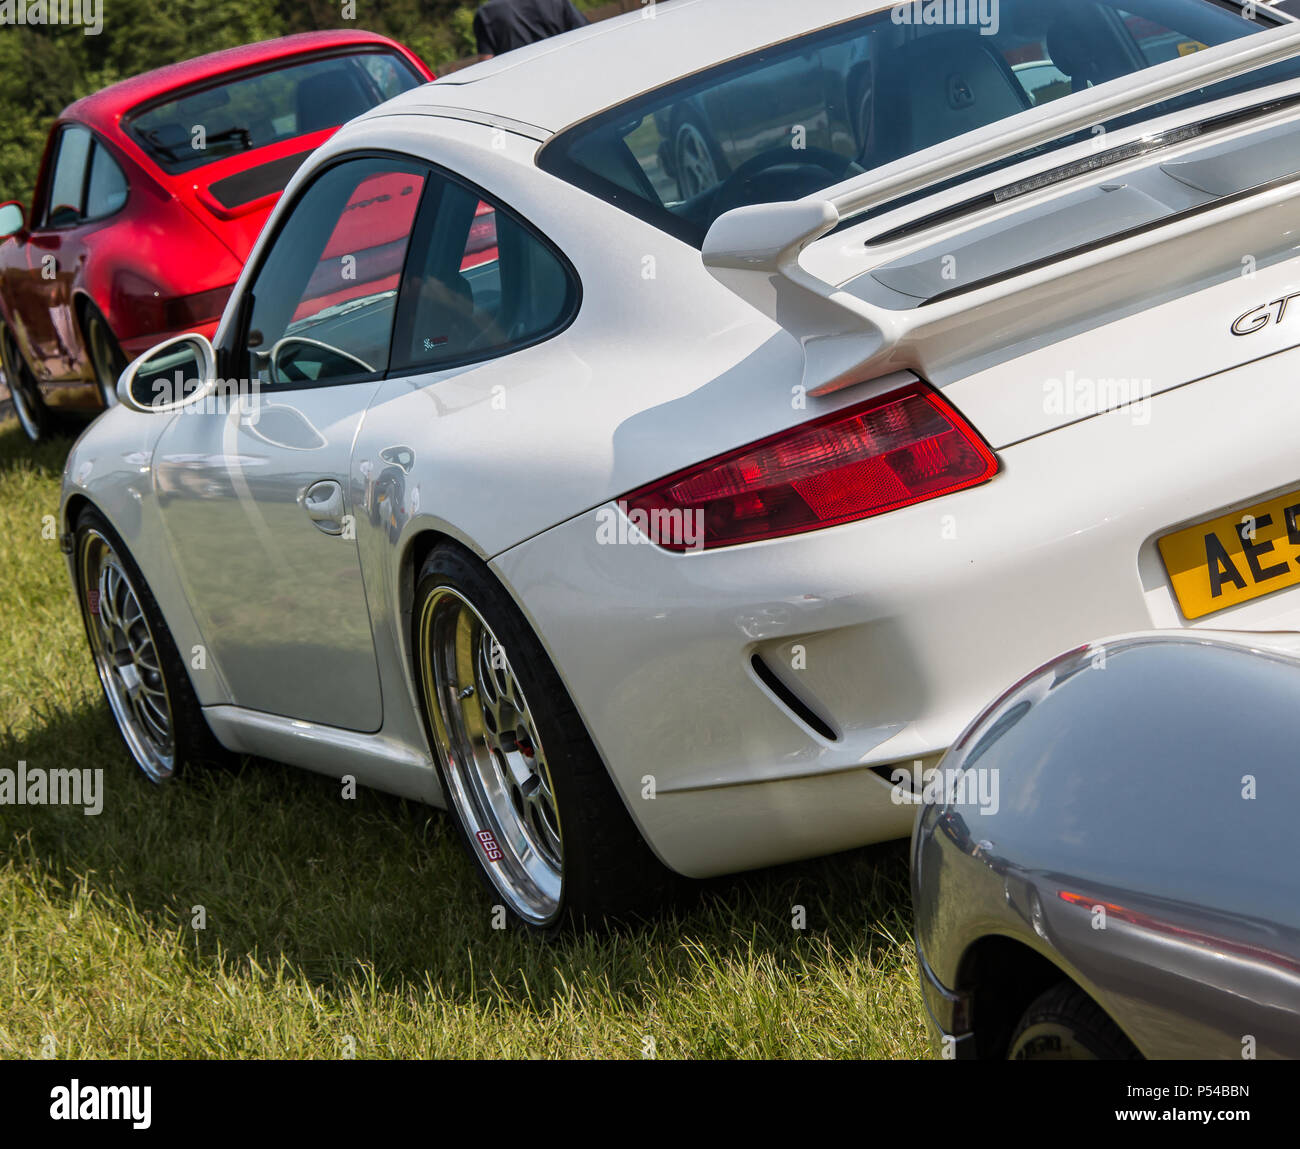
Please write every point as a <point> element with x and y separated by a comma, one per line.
<point>68,182</point>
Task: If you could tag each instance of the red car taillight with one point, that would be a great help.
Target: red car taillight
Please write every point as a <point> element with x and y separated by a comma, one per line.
<point>187,311</point>
<point>890,452</point>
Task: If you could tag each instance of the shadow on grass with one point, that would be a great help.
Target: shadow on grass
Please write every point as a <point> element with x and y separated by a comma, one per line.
<point>45,458</point>
<point>286,868</point>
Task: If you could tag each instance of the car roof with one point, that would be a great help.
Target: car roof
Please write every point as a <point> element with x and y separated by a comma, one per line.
<point>109,104</point>
<point>560,81</point>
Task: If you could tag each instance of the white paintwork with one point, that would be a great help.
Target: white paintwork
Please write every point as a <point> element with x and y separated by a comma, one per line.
<point>908,622</point>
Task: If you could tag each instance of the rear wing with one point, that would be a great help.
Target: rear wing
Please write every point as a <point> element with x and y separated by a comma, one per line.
<point>755,251</point>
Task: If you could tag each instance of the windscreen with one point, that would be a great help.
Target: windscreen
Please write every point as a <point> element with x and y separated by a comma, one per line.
<point>800,116</point>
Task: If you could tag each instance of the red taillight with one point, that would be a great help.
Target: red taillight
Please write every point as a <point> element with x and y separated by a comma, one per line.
<point>188,311</point>
<point>890,452</point>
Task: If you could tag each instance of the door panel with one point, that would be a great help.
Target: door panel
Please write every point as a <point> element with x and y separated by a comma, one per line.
<point>254,492</point>
<point>55,254</point>
<point>280,601</point>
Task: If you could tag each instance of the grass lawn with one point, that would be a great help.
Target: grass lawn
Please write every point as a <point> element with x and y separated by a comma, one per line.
<point>357,928</point>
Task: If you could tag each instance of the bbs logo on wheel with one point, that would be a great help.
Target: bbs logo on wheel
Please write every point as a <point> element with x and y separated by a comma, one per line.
<point>489,844</point>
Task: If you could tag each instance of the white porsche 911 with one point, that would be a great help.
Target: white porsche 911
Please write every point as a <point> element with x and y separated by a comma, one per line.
<point>646,442</point>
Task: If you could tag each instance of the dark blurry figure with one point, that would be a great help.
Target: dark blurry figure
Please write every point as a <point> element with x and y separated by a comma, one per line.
<point>500,25</point>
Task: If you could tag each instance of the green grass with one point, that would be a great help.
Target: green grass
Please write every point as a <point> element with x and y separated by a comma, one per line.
<point>357,927</point>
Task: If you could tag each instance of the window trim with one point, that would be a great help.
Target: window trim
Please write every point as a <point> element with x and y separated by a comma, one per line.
<point>236,341</point>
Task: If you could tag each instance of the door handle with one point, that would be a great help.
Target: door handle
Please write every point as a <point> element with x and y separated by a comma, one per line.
<point>323,502</point>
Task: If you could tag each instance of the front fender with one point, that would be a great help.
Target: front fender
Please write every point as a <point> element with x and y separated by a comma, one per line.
<point>110,468</point>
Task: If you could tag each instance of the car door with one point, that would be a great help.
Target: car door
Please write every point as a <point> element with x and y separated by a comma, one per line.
<point>54,252</point>
<point>254,490</point>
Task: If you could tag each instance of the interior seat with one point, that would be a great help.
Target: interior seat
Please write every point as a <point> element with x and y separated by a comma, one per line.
<point>936,87</point>
<point>1082,45</point>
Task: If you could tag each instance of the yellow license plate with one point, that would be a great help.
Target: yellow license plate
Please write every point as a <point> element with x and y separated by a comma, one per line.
<point>1236,557</point>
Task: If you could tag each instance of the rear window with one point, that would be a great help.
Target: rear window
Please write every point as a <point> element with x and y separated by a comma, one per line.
<point>797,117</point>
<point>249,111</point>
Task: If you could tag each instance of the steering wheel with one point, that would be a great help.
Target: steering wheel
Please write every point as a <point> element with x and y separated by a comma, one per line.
<point>782,173</point>
<point>284,369</point>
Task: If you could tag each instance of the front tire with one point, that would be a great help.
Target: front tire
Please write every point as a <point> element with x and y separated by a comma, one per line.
<point>1065,1024</point>
<point>144,680</point>
<point>534,804</point>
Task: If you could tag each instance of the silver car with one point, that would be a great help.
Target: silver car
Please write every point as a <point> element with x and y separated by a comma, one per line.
<point>1109,868</point>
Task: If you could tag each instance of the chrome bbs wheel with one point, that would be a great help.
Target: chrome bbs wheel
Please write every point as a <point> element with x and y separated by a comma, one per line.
<point>126,656</point>
<point>495,763</point>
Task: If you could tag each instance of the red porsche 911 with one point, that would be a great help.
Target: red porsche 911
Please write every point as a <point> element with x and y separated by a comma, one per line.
<point>150,195</point>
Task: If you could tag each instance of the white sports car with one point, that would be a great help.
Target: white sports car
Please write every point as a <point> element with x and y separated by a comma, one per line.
<point>645,456</point>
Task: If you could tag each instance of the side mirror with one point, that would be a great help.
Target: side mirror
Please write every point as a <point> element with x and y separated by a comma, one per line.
<point>12,219</point>
<point>178,372</point>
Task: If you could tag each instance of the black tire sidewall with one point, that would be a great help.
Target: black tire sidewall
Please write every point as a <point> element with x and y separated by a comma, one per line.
<point>24,391</point>
<point>94,317</point>
<point>1066,1021</point>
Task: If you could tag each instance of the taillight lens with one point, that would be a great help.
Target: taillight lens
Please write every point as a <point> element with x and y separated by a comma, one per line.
<point>890,452</point>
<point>187,311</point>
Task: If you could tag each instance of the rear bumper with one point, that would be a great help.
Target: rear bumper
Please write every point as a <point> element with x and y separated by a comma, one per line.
<point>895,631</point>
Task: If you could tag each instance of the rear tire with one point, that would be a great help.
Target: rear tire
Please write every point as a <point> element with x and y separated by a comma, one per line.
<point>34,416</point>
<point>145,682</point>
<point>531,798</point>
<point>106,358</point>
<point>1065,1024</point>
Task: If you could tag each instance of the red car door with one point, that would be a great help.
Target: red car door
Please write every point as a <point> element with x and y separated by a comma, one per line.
<point>42,296</point>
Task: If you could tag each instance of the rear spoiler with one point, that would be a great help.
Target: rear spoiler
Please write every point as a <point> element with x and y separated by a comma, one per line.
<point>755,250</point>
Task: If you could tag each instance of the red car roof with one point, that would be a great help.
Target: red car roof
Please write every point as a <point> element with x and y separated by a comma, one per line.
<point>105,107</point>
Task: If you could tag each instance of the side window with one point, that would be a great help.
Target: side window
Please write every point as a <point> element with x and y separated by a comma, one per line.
<point>479,283</point>
<point>107,191</point>
<point>323,302</point>
<point>68,183</point>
